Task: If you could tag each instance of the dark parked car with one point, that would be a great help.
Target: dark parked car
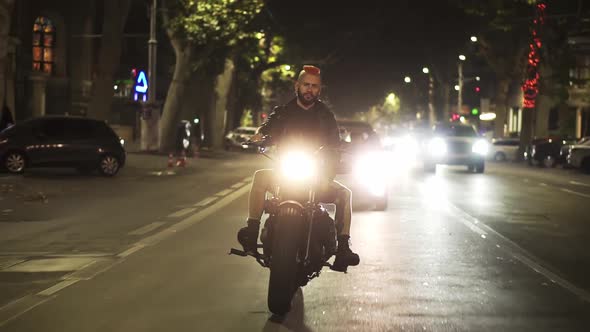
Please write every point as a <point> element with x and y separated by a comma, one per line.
<point>82,143</point>
<point>546,151</point>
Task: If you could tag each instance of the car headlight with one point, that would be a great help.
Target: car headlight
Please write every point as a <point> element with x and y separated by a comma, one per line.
<point>437,147</point>
<point>371,167</point>
<point>481,147</point>
<point>298,166</point>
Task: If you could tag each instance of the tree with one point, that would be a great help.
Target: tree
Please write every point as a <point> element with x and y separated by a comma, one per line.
<point>197,29</point>
<point>114,18</point>
<point>6,7</point>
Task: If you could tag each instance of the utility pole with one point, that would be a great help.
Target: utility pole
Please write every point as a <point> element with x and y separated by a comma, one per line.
<point>150,119</point>
<point>460,95</point>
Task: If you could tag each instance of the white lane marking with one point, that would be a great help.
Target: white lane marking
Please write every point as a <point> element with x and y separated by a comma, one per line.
<point>579,183</point>
<point>57,287</point>
<point>206,201</point>
<point>10,262</point>
<point>224,192</point>
<point>147,228</point>
<point>543,184</point>
<point>248,179</point>
<point>16,308</point>
<point>194,219</point>
<point>134,248</point>
<point>574,193</point>
<point>526,180</point>
<point>182,213</point>
<point>522,255</point>
<point>238,185</point>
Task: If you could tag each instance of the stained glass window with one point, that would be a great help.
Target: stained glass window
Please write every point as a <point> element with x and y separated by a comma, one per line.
<point>43,44</point>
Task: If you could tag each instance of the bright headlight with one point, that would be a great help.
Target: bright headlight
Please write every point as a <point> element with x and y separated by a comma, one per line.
<point>437,147</point>
<point>298,166</point>
<point>480,147</point>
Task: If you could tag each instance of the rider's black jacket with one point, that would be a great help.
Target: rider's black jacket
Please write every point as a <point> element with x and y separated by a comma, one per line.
<point>315,127</point>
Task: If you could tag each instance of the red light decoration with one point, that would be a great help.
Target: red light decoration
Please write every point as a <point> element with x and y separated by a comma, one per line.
<point>531,85</point>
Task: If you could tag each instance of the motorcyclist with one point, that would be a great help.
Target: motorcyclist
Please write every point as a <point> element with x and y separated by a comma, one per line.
<point>304,116</point>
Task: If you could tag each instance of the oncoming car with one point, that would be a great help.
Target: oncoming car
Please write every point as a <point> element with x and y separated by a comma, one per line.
<point>455,144</point>
<point>364,164</point>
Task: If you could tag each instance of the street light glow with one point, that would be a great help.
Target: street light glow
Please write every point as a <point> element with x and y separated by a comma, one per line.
<point>462,57</point>
<point>477,78</point>
<point>474,39</point>
<point>287,67</point>
<point>425,70</point>
<point>457,87</point>
<point>407,79</point>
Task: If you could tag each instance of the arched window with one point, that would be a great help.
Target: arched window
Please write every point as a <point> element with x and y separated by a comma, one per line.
<point>43,43</point>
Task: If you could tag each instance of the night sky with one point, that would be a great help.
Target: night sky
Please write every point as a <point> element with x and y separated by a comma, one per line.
<point>373,44</point>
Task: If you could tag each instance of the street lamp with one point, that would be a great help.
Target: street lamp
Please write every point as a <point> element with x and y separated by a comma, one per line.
<point>407,79</point>
<point>460,97</point>
<point>474,39</point>
<point>425,70</point>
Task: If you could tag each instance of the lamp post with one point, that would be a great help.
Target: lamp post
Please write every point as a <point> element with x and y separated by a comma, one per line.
<point>431,117</point>
<point>150,120</point>
<point>460,96</point>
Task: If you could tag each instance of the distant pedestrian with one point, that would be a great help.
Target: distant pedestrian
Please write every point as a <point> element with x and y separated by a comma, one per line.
<point>6,119</point>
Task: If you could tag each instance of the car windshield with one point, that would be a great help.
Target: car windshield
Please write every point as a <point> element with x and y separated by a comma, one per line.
<point>456,131</point>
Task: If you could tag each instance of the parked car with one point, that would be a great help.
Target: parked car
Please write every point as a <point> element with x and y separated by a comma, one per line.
<point>60,141</point>
<point>455,144</point>
<point>546,151</point>
<point>234,139</point>
<point>504,149</point>
<point>566,150</point>
<point>579,156</point>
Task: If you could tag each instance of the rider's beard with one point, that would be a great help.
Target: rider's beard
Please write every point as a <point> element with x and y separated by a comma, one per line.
<point>307,98</point>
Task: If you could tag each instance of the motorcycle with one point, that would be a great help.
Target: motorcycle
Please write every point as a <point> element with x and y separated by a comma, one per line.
<point>299,236</point>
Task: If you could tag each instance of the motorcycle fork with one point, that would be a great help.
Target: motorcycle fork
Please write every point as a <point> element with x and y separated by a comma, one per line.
<point>310,216</point>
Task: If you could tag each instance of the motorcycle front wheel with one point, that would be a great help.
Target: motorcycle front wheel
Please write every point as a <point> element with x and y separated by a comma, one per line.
<point>283,266</point>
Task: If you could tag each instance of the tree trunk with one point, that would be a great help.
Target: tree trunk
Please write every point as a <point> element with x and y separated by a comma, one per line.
<point>544,105</point>
<point>176,95</point>
<point>219,118</point>
<point>6,7</point>
<point>115,16</point>
<point>501,102</point>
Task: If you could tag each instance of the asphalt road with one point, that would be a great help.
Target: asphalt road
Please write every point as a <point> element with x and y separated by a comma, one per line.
<point>502,251</point>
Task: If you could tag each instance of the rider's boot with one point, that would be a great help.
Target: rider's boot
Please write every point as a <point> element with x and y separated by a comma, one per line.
<point>248,236</point>
<point>344,256</point>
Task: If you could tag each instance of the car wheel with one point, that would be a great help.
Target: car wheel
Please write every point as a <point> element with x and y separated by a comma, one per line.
<point>15,162</point>
<point>109,165</point>
<point>381,204</point>
<point>500,156</point>
<point>549,162</point>
<point>479,168</point>
<point>429,168</point>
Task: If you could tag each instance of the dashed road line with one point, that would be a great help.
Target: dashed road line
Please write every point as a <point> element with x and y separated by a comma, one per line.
<point>574,193</point>
<point>579,183</point>
<point>16,308</point>
<point>182,213</point>
<point>238,185</point>
<point>131,250</point>
<point>543,184</point>
<point>147,228</point>
<point>518,252</point>
<point>224,192</point>
<point>57,287</point>
<point>206,201</point>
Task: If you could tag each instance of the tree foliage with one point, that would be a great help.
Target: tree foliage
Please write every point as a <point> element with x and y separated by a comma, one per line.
<point>205,22</point>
